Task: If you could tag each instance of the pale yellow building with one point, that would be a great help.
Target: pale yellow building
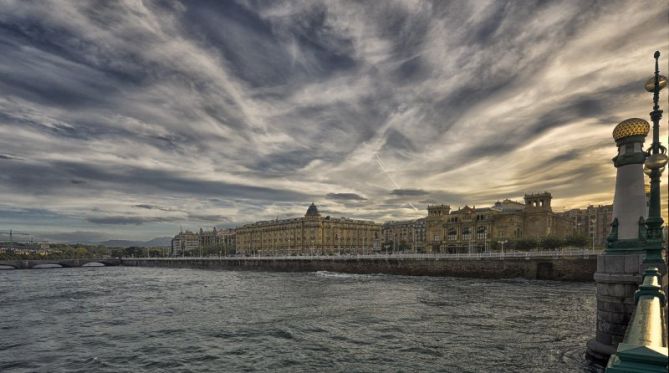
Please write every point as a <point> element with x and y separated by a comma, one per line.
<point>472,229</point>
<point>310,235</point>
<point>404,236</point>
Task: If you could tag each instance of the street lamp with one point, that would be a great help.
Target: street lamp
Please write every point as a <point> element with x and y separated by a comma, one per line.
<point>503,242</point>
<point>593,221</point>
<point>654,165</point>
<point>337,237</point>
<point>485,239</point>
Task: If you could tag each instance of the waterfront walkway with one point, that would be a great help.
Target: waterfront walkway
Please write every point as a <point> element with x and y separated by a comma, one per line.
<point>484,255</point>
<point>570,265</point>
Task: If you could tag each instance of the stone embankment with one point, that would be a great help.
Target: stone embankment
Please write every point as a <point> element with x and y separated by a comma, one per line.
<point>562,268</point>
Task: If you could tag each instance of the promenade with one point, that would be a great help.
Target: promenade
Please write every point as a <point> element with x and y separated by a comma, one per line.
<point>567,264</point>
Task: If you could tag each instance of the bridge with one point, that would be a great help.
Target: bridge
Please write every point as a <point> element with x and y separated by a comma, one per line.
<point>52,263</point>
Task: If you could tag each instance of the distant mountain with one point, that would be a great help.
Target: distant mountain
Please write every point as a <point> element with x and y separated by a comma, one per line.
<point>156,242</point>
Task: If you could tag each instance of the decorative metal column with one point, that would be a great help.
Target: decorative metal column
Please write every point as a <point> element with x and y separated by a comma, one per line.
<point>654,165</point>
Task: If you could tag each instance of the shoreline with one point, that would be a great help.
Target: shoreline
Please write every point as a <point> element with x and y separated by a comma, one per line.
<point>574,268</point>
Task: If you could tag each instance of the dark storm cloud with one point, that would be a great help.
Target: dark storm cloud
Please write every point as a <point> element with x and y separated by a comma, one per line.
<point>345,197</point>
<point>48,177</point>
<point>246,40</point>
<point>409,192</point>
<point>125,220</point>
<point>73,237</point>
<point>145,206</point>
<point>151,207</point>
<point>208,218</point>
<point>238,111</point>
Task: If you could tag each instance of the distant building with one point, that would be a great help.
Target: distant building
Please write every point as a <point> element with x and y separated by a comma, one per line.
<point>185,242</point>
<point>406,235</point>
<point>593,222</point>
<point>226,238</point>
<point>420,233</point>
<point>311,234</point>
<point>472,229</point>
<point>191,242</point>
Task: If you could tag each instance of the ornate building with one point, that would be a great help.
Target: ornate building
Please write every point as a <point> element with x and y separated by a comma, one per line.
<point>312,234</point>
<point>472,229</point>
<point>405,235</point>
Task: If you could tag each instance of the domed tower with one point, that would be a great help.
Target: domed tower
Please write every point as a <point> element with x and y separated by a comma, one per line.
<point>629,201</point>
<point>619,266</point>
<point>634,243</point>
<point>312,211</point>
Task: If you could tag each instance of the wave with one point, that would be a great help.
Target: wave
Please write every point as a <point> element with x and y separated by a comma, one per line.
<point>347,275</point>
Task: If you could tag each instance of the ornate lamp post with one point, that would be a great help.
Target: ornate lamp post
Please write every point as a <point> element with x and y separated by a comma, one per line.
<point>653,166</point>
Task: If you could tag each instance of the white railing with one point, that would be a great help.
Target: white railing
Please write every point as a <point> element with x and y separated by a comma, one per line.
<point>569,252</point>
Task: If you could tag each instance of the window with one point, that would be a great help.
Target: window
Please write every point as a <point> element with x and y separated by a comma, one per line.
<point>436,237</point>
<point>466,234</point>
<point>481,233</point>
<point>452,234</point>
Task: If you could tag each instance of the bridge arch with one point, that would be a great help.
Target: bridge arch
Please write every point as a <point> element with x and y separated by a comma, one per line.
<point>6,267</point>
<point>47,266</point>
<point>94,264</point>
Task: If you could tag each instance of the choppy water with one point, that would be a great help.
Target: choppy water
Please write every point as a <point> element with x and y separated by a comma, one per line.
<point>127,319</point>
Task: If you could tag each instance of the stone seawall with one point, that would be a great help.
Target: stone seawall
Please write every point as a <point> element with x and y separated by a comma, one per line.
<point>577,268</point>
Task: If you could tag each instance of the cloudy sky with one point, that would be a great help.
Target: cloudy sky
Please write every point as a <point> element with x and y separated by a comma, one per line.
<point>129,119</point>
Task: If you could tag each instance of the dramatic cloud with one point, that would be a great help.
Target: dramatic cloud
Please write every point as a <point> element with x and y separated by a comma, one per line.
<point>409,192</point>
<point>124,220</point>
<point>345,197</point>
<point>129,119</point>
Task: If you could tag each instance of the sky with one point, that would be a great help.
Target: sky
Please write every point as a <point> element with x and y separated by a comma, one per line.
<point>132,119</point>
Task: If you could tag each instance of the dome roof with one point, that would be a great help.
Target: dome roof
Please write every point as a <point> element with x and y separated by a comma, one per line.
<point>312,210</point>
<point>631,127</point>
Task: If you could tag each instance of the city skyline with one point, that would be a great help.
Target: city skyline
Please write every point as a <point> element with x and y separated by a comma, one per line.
<point>129,121</point>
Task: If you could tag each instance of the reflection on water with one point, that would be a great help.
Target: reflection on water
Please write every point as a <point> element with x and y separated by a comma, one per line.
<point>132,319</point>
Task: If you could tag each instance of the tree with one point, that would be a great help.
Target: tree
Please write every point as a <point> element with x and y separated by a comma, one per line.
<point>526,244</point>
<point>81,252</point>
<point>155,252</point>
<point>551,242</point>
<point>133,251</point>
<point>117,253</point>
<point>577,240</point>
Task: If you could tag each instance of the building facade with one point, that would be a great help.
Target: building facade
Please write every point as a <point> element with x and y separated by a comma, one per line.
<point>309,235</point>
<point>472,229</point>
<point>405,235</point>
<point>191,243</point>
<point>185,242</point>
<point>593,222</point>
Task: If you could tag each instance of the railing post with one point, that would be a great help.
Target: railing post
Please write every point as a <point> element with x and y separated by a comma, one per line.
<point>644,347</point>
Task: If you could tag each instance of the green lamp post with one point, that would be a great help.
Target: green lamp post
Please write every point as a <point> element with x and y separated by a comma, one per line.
<point>654,165</point>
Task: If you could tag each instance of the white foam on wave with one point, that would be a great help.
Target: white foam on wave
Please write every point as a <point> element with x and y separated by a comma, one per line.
<point>343,275</point>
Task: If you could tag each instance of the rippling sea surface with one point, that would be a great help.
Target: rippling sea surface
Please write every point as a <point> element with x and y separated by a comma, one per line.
<point>129,319</point>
